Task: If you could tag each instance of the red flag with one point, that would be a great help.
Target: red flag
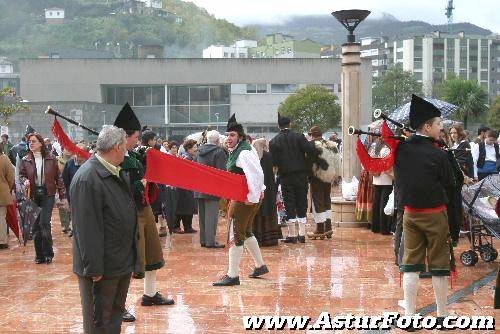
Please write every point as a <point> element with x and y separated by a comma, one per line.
<point>66,142</point>
<point>378,165</point>
<point>181,173</point>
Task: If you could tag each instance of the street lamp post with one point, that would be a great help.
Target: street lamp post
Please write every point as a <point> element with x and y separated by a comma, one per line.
<point>351,89</point>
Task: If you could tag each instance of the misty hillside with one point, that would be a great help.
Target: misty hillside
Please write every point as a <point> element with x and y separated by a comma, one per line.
<point>325,28</point>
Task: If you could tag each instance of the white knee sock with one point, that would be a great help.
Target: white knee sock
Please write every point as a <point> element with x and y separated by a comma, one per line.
<point>302,226</point>
<point>410,289</point>
<point>235,254</point>
<point>150,283</point>
<point>440,285</point>
<point>253,247</point>
<point>292,232</point>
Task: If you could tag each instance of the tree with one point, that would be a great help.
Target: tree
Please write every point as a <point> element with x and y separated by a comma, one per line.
<point>10,104</point>
<point>468,95</point>
<point>393,88</point>
<point>494,114</point>
<point>312,105</point>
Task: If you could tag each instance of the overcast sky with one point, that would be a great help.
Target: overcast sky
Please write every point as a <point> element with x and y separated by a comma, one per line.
<point>484,13</point>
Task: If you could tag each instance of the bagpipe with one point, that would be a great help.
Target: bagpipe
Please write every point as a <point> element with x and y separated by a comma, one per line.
<point>63,138</point>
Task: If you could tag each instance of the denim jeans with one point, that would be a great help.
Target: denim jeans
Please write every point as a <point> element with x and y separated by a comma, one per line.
<point>42,234</point>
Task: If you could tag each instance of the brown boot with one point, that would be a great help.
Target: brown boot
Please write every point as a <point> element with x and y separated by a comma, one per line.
<point>318,233</point>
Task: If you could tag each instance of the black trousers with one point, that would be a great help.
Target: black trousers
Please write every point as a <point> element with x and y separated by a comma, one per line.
<point>381,223</point>
<point>398,236</point>
<point>294,191</point>
<point>103,303</point>
<point>42,228</point>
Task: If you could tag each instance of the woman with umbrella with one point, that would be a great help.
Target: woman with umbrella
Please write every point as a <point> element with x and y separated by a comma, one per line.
<point>39,173</point>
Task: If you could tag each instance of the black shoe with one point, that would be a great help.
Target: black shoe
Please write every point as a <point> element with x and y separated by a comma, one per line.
<point>290,240</point>
<point>203,245</point>
<point>157,299</point>
<point>216,245</point>
<point>128,317</point>
<point>301,239</point>
<point>4,246</point>
<point>190,230</point>
<point>70,234</point>
<point>39,261</point>
<point>259,271</point>
<point>138,275</point>
<point>163,232</point>
<point>227,281</point>
<point>48,259</point>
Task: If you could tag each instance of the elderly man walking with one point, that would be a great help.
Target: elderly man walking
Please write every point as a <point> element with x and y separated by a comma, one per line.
<point>105,231</point>
<point>210,154</point>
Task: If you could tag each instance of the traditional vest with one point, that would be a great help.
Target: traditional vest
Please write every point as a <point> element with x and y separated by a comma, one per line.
<point>233,156</point>
<point>482,154</point>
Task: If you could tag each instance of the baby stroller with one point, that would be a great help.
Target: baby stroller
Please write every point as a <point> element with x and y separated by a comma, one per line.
<point>479,201</point>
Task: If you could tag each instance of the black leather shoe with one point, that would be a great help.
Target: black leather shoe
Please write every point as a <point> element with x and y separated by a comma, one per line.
<point>290,240</point>
<point>301,239</point>
<point>227,281</point>
<point>48,259</point>
<point>216,245</point>
<point>138,275</point>
<point>38,261</point>
<point>128,317</point>
<point>259,271</point>
<point>157,299</point>
<point>4,246</point>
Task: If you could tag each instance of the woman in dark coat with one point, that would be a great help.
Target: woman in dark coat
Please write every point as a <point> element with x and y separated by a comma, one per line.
<point>462,153</point>
<point>186,204</point>
<point>265,225</point>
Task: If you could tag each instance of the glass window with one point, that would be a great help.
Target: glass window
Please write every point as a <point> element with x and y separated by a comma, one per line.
<point>110,95</point>
<point>142,96</point>
<point>158,96</point>
<point>219,113</point>
<point>261,88</point>
<point>179,114</point>
<point>124,95</point>
<point>225,54</point>
<point>179,95</point>
<point>199,114</point>
<point>220,94</point>
<point>283,88</point>
<point>251,88</point>
<point>198,95</point>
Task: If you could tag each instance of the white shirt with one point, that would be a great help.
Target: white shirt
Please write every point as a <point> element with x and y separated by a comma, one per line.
<point>250,163</point>
<point>39,168</point>
<point>383,179</point>
<point>490,155</point>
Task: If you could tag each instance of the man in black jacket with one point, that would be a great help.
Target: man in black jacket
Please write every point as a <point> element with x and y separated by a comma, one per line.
<point>424,176</point>
<point>105,231</point>
<point>288,150</point>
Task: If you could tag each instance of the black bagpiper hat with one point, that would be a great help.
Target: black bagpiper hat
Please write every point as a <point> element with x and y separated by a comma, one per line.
<point>233,125</point>
<point>127,120</point>
<point>421,111</point>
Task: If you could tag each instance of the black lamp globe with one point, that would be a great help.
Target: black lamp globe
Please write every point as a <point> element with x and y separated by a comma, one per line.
<point>350,20</point>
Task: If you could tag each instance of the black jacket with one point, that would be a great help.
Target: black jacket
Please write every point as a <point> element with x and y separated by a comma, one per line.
<point>464,158</point>
<point>289,150</point>
<point>422,173</point>
<point>213,156</point>
<point>69,172</point>
<point>104,220</point>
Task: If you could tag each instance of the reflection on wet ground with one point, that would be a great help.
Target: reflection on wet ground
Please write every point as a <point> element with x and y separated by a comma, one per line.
<point>353,272</point>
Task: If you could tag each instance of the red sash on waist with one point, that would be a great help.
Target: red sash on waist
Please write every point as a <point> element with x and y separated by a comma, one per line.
<point>427,210</point>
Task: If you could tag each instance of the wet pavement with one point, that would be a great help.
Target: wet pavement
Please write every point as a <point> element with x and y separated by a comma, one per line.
<point>353,272</point>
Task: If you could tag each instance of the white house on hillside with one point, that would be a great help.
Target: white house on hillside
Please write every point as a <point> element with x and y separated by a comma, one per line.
<point>54,15</point>
<point>237,50</point>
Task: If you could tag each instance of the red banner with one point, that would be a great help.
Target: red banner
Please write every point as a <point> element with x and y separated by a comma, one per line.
<point>181,173</point>
<point>66,142</point>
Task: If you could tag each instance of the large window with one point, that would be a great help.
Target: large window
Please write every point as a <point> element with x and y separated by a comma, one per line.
<point>199,104</point>
<point>136,96</point>
<point>256,88</point>
<point>283,88</point>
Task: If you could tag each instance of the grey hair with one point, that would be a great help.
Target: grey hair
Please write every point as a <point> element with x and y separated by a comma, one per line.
<point>213,137</point>
<point>109,137</point>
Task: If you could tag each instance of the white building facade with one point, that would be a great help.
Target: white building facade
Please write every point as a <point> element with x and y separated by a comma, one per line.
<point>237,50</point>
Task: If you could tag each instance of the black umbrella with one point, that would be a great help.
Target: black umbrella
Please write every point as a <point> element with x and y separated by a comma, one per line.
<point>29,212</point>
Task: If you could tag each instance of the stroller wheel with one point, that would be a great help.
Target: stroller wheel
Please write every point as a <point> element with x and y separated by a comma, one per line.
<point>488,253</point>
<point>469,258</point>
